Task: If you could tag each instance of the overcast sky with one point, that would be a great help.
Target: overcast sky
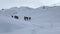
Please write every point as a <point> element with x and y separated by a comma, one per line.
<point>30,3</point>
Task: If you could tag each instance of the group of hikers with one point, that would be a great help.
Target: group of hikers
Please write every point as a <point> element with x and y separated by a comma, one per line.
<point>26,18</point>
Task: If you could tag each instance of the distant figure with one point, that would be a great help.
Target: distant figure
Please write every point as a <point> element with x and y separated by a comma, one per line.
<point>12,16</point>
<point>16,17</point>
<point>27,18</point>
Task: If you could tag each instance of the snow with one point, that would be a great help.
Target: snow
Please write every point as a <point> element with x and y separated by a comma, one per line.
<point>44,21</point>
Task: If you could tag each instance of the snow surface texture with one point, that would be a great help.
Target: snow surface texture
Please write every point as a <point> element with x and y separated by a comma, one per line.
<point>44,20</point>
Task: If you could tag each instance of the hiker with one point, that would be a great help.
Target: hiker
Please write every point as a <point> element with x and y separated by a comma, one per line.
<point>27,18</point>
<point>16,17</point>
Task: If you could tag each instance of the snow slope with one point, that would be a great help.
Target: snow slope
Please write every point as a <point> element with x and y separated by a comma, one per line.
<point>44,20</point>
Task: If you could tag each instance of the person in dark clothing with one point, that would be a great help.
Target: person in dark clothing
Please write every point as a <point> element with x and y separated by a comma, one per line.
<point>12,16</point>
<point>27,18</point>
<point>16,17</point>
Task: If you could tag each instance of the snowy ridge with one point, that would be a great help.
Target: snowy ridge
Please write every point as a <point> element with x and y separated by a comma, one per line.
<point>45,20</point>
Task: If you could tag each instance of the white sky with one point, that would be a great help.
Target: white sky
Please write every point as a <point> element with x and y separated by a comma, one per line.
<point>30,3</point>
